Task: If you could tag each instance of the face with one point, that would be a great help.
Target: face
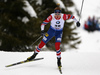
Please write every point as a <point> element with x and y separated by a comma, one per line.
<point>57,15</point>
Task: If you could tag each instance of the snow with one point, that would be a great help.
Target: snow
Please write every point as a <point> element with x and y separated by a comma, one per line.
<point>29,9</point>
<point>39,2</point>
<point>25,19</point>
<point>90,41</point>
<point>73,63</point>
<point>83,61</point>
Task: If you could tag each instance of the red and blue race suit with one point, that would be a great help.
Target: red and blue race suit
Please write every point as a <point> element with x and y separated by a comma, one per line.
<point>56,29</point>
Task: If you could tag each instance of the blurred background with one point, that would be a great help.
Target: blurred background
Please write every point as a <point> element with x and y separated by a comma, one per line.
<point>20,22</point>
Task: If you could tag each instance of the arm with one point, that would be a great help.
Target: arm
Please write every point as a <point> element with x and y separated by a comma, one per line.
<point>65,17</point>
<point>45,22</point>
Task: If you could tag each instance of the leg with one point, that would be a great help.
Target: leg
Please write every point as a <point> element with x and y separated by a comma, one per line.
<point>45,39</point>
<point>36,51</point>
<point>58,42</point>
<point>58,52</point>
<point>57,47</point>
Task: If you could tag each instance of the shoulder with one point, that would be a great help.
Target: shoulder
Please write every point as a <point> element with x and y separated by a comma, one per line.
<point>52,14</point>
<point>64,16</point>
<point>50,17</point>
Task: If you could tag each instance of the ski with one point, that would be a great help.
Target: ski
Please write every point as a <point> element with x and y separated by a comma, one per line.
<point>59,67</point>
<point>21,62</point>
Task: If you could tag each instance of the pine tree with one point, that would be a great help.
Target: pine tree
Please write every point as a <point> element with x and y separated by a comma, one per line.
<point>15,35</point>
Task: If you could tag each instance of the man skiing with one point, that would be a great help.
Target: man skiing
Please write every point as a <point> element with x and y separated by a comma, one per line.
<point>57,20</point>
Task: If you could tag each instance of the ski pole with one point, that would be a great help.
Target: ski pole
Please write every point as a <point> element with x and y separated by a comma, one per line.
<point>36,40</point>
<point>81,9</point>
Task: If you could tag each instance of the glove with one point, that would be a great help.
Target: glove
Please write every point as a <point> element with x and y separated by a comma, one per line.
<point>78,24</point>
<point>42,33</point>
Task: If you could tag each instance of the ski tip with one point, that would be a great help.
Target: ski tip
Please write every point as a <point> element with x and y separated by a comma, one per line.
<point>60,72</point>
<point>8,65</point>
<point>42,58</point>
<point>59,67</point>
<point>38,58</point>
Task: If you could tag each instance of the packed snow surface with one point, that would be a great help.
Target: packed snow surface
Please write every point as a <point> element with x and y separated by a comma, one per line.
<point>73,63</point>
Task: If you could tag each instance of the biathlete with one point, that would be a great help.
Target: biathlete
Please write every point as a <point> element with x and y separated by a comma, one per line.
<point>57,20</point>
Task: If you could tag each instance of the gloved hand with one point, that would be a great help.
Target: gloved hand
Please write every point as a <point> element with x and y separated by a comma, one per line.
<point>78,24</point>
<point>42,33</point>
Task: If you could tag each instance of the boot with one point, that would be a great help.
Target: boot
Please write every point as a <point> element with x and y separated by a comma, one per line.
<point>32,57</point>
<point>59,62</point>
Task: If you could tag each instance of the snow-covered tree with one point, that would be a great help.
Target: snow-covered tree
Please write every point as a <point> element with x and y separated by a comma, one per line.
<point>16,28</point>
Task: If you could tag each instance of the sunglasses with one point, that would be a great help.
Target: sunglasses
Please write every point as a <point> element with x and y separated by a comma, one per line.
<point>57,11</point>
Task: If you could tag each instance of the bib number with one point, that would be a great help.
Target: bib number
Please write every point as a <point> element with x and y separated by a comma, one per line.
<point>57,26</point>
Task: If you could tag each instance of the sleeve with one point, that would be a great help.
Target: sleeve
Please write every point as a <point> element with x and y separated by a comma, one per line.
<point>68,16</point>
<point>46,22</point>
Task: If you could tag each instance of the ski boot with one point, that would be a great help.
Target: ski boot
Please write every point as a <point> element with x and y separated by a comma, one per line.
<point>32,57</point>
<point>59,62</point>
